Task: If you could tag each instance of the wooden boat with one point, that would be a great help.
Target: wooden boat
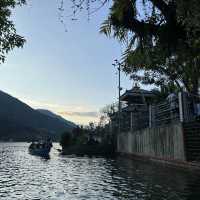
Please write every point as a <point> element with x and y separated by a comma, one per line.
<point>41,148</point>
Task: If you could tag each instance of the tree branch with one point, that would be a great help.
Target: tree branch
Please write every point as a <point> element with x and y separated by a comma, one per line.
<point>129,21</point>
<point>165,9</point>
<point>161,5</point>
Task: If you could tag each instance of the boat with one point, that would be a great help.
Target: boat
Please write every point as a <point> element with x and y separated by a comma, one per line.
<point>41,148</point>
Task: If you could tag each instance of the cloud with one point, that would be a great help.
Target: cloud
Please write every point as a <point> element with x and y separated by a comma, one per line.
<point>43,104</point>
<point>80,114</point>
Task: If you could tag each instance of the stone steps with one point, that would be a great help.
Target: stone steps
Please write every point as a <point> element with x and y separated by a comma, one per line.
<point>192,140</point>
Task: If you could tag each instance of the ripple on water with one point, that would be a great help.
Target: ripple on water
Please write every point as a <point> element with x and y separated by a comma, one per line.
<point>26,177</point>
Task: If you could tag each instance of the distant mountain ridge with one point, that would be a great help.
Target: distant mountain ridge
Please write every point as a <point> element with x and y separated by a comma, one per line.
<point>51,114</point>
<point>19,121</point>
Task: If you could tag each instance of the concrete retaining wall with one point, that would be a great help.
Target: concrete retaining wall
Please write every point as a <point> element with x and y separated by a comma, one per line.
<point>161,142</point>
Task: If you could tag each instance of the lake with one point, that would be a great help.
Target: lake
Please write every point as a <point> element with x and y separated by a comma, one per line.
<point>24,176</point>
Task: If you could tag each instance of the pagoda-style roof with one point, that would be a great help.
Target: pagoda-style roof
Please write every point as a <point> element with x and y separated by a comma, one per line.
<point>136,93</point>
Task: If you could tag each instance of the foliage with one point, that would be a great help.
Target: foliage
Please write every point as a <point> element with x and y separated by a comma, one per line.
<point>79,6</point>
<point>66,139</point>
<point>162,38</point>
<point>77,137</point>
<point>163,43</point>
<point>162,93</point>
<point>109,110</point>
<point>9,39</point>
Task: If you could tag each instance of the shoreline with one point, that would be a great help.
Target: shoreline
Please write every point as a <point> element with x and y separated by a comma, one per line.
<point>163,162</point>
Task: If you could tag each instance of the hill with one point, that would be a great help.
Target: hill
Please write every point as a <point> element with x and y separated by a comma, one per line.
<point>18,121</point>
<point>51,114</point>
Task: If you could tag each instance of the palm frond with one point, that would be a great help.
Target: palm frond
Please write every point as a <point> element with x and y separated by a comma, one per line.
<point>106,27</point>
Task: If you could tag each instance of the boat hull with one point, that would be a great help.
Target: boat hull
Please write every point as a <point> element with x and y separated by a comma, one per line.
<point>40,152</point>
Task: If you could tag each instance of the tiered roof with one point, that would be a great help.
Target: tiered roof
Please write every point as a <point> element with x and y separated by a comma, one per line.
<point>135,93</point>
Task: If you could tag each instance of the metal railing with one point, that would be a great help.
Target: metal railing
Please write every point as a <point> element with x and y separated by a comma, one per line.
<point>164,113</point>
<point>184,107</point>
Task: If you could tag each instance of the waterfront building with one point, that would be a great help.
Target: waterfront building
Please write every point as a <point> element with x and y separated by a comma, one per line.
<point>167,130</point>
<point>136,110</point>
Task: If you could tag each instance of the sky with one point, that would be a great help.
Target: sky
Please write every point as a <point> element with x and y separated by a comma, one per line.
<point>67,72</point>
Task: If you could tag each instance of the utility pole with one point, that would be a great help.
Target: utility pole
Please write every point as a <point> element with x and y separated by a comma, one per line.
<point>118,64</point>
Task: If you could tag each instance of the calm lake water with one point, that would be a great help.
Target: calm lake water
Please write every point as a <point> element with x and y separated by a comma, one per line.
<point>23,176</point>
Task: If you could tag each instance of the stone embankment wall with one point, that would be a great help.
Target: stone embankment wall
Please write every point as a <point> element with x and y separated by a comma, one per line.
<point>160,142</point>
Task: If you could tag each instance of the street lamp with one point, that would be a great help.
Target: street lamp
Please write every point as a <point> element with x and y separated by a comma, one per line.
<point>118,65</point>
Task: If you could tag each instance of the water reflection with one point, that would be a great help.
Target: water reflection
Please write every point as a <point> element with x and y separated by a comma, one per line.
<point>192,190</point>
<point>45,158</point>
<point>24,176</point>
<point>147,181</point>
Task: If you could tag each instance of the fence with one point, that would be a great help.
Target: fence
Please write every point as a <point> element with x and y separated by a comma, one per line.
<point>134,117</point>
<point>183,107</point>
<point>164,113</point>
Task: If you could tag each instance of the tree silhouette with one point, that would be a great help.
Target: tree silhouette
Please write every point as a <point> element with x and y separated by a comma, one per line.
<point>9,39</point>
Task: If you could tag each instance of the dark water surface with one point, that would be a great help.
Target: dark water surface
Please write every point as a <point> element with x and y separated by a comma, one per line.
<point>23,176</point>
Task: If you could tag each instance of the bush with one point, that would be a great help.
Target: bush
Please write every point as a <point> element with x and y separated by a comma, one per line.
<point>66,139</point>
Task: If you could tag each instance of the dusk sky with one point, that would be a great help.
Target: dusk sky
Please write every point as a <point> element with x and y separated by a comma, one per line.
<point>69,73</point>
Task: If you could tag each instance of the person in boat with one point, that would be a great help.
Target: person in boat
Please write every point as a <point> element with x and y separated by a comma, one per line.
<point>33,145</point>
<point>41,145</point>
<point>48,144</point>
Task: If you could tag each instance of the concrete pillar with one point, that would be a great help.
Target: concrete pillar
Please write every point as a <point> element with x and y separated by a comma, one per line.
<point>150,116</point>
<point>131,121</point>
<point>180,101</point>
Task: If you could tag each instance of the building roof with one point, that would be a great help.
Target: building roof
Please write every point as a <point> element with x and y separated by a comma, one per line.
<point>136,92</point>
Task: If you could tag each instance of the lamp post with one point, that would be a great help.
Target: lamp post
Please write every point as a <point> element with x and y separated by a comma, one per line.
<point>118,64</point>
